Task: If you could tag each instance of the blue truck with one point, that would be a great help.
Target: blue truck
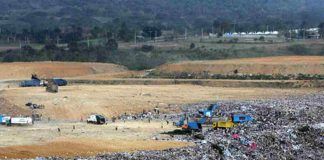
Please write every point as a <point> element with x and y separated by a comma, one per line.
<point>30,83</point>
<point>241,118</point>
<point>60,82</point>
<point>37,82</point>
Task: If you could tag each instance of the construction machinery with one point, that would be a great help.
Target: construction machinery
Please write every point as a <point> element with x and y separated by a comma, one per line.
<point>224,124</point>
<point>96,119</point>
<point>232,121</point>
<point>181,122</point>
<point>195,125</point>
<point>209,111</point>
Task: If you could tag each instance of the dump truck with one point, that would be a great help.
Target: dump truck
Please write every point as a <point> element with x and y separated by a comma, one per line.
<point>96,119</point>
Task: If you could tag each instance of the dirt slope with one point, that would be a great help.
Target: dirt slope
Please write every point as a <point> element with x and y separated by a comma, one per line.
<point>268,65</point>
<point>23,70</point>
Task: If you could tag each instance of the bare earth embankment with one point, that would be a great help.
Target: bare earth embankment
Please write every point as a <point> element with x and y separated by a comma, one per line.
<point>23,70</point>
<point>269,65</point>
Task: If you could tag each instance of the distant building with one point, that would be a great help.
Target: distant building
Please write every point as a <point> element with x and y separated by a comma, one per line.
<point>268,34</point>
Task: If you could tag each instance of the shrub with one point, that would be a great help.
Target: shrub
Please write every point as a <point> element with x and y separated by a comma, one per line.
<point>147,48</point>
<point>298,49</point>
<point>192,46</point>
<point>112,45</point>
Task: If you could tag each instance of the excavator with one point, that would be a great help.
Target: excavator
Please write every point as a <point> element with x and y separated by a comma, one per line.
<point>196,125</point>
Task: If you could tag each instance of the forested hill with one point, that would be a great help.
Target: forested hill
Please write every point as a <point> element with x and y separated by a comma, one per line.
<point>176,14</point>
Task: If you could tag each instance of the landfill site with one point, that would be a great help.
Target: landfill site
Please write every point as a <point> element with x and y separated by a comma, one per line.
<point>57,110</point>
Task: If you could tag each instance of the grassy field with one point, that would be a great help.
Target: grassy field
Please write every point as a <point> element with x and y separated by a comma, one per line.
<point>76,102</point>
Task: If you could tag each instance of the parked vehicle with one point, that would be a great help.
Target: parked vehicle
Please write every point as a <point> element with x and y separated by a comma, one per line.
<point>60,82</point>
<point>16,120</point>
<point>30,83</point>
<point>21,120</point>
<point>232,121</point>
<point>96,119</point>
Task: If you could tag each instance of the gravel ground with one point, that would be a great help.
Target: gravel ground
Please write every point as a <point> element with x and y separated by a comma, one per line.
<point>289,128</point>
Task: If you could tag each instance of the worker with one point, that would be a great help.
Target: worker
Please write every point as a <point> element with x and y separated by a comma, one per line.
<point>116,128</point>
<point>167,122</point>
<point>59,130</point>
<point>73,127</point>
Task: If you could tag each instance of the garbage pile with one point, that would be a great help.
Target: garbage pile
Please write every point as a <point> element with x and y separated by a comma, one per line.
<point>287,128</point>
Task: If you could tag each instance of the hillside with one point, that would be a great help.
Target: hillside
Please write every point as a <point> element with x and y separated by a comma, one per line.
<point>269,65</point>
<point>40,14</point>
<point>23,70</point>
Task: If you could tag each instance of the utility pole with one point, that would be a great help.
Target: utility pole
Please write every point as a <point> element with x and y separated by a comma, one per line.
<point>135,40</point>
<point>186,34</point>
<point>88,41</point>
<point>150,35</point>
<point>155,36</point>
<point>234,27</point>
<point>202,33</point>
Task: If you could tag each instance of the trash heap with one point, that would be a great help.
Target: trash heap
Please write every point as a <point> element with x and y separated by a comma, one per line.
<point>287,128</point>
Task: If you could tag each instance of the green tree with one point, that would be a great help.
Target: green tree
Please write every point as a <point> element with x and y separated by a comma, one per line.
<point>124,33</point>
<point>112,45</point>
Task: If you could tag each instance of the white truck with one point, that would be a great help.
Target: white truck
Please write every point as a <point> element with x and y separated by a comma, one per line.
<point>16,120</point>
<point>21,120</point>
<point>96,119</point>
